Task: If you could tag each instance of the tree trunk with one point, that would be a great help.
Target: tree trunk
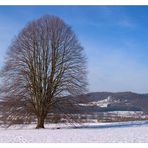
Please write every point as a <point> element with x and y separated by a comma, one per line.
<point>40,122</point>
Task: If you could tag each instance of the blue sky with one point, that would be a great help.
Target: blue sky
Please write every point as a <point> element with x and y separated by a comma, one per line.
<point>115,39</point>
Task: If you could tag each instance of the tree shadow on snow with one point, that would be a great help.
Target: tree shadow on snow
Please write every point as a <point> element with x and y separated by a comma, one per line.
<point>114,125</point>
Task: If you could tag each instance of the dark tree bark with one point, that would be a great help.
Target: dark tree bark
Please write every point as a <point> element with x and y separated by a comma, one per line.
<point>44,62</point>
<point>40,122</point>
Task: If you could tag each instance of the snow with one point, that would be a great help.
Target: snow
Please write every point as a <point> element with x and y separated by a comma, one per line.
<point>132,114</point>
<point>89,132</point>
<point>127,112</point>
<point>101,103</point>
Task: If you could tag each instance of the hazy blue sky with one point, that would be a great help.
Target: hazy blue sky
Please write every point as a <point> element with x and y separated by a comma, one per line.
<point>115,39</point>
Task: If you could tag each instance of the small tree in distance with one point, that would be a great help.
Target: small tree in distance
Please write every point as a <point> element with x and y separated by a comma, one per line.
<point>44,62</point>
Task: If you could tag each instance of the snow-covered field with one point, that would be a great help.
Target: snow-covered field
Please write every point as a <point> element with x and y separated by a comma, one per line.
<point>134,132</point>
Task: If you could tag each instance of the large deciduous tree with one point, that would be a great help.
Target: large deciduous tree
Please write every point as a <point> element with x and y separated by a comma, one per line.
<point>44,62</point>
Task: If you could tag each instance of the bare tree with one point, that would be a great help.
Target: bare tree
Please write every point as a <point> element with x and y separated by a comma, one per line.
<point>44,62</point>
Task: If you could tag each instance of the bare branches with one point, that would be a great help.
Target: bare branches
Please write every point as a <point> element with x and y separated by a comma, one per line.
<point>45,61</point>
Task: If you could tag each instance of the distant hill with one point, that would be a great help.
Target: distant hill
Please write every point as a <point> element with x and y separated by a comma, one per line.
<point>109,101</point>
<point>100,106</point>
